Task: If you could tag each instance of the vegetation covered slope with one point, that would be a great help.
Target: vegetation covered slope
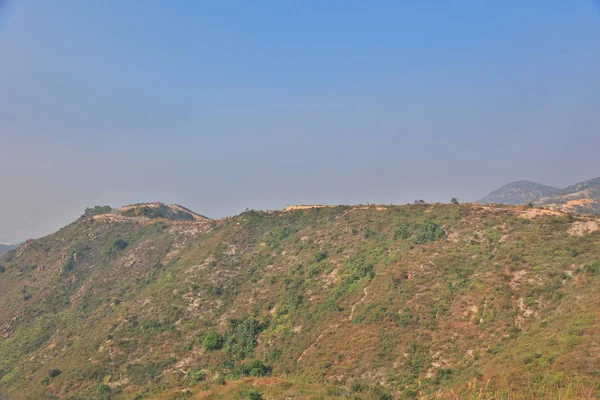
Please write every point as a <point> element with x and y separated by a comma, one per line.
<point>332,302</point>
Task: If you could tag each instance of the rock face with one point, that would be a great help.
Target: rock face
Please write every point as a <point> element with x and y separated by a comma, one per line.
<point>520,192</point>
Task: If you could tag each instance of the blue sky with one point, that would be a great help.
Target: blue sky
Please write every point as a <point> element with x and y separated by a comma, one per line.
<point>228,105</point>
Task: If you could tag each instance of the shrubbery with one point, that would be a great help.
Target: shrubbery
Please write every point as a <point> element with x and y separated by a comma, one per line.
<point>240,339</point>
<point>429,231</point>
<point>593,268</point>
<point>213,341</point>
<point>196,376</point>
<point>119,244</point>
<point>254,394</point>
<point>257,368</point>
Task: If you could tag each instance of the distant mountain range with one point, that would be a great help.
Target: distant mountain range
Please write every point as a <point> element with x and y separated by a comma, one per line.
<point>5,248</point>
<point>582,197</point>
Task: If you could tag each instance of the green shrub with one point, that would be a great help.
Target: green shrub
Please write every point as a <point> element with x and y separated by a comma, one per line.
<point>53,373</point>
<point>213,341</point>
<point>119,244</point>
<point>240,339</point>
<point>429,231</point>
<point>151,328</point>
<point>403,231</point>
<point>254,394</point>
<point>196,376</point>
<point>257,368</point>
<point>320,256</point>
<point>68,265</point>
<point>141,374</point>
<point>593,268</point>
<point>102,388</point>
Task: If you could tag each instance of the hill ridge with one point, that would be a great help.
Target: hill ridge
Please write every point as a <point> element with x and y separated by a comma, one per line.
<point>420,297</point>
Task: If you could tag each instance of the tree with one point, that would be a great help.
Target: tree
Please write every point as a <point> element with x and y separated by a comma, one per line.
<point>119,244</point>
<point>454,200</point>
<point>213,341</point>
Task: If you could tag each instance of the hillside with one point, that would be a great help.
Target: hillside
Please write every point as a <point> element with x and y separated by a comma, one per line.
<point>520,192</point>
<point>583,197</point>
<point>371,302</point>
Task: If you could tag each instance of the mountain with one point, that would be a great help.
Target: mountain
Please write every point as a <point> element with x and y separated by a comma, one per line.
<point>5,248</point>
<point>371,302</point>
<point>520,192</point>
<point>583,197</point>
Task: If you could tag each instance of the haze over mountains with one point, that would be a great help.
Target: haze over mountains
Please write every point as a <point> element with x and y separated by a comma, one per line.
<point>4,248</point>
<point>582,197</point>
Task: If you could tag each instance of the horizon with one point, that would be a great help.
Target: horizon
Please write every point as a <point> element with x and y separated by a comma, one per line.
<point>231,106</point>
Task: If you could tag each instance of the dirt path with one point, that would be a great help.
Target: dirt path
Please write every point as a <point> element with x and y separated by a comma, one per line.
<point>350,317</point>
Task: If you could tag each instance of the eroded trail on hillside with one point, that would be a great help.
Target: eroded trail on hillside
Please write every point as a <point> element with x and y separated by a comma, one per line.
<point>335,326</point>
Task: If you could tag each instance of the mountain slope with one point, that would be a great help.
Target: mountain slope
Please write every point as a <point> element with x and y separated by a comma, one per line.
<point>583,197</point>
<point>520,192</point>
<point>395,300</point>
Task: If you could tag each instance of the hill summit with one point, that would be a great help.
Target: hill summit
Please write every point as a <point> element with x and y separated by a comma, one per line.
<point>519,192</point>
<point>155,210</point>
<point>161,210</point>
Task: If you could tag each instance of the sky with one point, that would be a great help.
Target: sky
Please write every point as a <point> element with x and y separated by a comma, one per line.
<point>226,105</point>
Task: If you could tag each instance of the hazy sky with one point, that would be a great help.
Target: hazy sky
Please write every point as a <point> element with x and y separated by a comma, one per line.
<point>226,105</point>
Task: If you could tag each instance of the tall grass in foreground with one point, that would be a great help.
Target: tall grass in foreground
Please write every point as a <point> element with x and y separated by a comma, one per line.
<point>483,390</point>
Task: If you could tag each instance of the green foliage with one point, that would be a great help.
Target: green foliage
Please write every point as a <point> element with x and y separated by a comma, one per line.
<point>140,374</point>
<point>96,210</point>
<point>429,231</point>
<point>277,236</point>
<point>253,394</point>
<point>241,338</point>
<point>257,368</point>
<point>69,264</point>
<point>213,341</point>
<point>403,231</point>
<point>196,376</point>
<point>119,244</point>
<point>320,256</point>
<point>454,201</point>
<point>593,268</point>
<point>53,373</point>
<point>101,388</point>
<point>151,328</point>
